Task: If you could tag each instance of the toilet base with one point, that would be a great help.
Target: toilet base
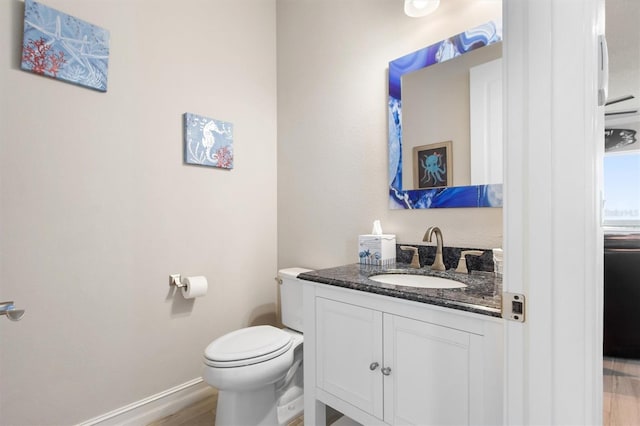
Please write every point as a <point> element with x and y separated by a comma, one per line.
<point>288,412</point>
<point>257,407</point>
<point>254,407</point>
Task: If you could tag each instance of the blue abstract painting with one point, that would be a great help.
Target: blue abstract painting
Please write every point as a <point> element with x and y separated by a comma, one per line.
<point>63,47</point>
<point>208,142</point>
<point>446,197</point>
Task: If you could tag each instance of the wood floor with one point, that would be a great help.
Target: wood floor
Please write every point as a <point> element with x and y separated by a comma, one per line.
<point>200,414</point>
<point>621,401</point>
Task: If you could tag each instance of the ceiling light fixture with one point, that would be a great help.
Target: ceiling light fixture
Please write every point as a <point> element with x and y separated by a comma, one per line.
<point>419,8</point>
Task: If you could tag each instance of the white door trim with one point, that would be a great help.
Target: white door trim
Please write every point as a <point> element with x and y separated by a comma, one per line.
<point>553,239</point>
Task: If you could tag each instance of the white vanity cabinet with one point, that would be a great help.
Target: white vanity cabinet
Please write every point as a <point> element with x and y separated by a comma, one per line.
<point>382,360</point>
<point>349,354</point>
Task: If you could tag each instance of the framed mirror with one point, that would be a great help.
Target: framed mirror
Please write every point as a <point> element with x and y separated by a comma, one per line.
<point>445,132</point>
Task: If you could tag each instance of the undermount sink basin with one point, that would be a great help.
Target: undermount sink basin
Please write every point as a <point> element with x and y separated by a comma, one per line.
<point>421,281</point>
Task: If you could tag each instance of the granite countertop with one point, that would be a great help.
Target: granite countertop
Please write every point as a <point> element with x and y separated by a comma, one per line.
<point>483,294</point>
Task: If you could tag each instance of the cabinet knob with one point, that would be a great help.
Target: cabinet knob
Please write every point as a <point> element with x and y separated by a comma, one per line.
<point>386,371</point>
<point>373,366</point>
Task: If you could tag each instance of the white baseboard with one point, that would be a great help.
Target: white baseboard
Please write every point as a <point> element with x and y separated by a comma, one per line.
<point>154,407</point>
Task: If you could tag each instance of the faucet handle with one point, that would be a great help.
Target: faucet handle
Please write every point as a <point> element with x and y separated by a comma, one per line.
<point>415,260</point>
<point>462,263</point>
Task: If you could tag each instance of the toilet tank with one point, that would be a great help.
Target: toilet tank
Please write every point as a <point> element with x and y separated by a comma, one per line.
<point>291,297</point>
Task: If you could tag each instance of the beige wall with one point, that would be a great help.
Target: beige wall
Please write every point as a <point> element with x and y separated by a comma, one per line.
<point>97,208</point>
<point>332,127</point>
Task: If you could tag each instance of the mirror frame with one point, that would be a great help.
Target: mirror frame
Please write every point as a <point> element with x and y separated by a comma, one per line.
<point>446,197</point>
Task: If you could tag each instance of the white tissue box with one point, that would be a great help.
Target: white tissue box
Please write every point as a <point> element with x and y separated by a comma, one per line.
<point>377,249</point>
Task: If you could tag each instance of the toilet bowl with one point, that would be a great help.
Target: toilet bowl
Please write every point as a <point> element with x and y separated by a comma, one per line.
<point>258,370</point>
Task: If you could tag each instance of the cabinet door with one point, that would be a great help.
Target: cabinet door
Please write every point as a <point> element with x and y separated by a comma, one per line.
<point>429,382</point>
<point>349,341</point>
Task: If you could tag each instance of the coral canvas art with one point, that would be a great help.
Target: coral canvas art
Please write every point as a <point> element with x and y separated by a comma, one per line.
<point>208,142</point>
<point>63,47</point>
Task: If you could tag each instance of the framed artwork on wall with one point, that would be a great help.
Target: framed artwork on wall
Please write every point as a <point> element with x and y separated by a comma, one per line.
<point>207,141</point>
<point>432,165</point>
<point>64,47</point>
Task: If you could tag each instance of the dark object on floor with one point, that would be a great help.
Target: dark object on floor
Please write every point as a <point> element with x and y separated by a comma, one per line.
<point>622,296</point>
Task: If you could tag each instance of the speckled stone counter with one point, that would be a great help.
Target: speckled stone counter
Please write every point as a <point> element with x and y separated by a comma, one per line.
<point>483,294</point>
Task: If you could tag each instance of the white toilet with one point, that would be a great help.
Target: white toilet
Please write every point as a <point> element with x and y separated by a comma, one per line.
<point>258,370</point>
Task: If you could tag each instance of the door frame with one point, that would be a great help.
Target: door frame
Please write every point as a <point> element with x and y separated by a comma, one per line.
<point>553,238</point>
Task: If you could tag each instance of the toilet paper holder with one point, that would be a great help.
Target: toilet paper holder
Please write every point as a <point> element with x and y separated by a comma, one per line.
<point>176,279</point>
<point>190,287</point>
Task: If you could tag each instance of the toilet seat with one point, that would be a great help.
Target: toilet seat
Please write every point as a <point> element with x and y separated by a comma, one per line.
<point>251,345</point>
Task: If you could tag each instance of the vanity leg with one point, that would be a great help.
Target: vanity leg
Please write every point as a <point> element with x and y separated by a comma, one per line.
<point>314,410</point>
<point>316,414</point>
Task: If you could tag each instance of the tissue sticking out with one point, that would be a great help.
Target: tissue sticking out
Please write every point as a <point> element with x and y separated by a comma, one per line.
<point>377,228</point>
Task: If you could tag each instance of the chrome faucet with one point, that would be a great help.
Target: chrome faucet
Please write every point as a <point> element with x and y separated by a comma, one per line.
<point>438,264</point>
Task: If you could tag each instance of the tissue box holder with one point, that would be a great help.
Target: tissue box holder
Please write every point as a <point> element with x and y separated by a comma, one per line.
<point>377,250</point>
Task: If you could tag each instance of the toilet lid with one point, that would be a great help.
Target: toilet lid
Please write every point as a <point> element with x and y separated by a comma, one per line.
<point>247,346</point>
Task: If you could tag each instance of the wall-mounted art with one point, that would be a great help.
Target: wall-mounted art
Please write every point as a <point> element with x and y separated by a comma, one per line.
<point>64,47</point>
<point>208,142</point>
<point>432,166</point>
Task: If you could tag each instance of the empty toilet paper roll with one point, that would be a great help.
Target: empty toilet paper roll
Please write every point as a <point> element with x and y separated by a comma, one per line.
<point>194,287</point>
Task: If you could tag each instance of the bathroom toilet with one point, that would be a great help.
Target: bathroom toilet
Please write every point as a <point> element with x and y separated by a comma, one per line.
<point>258,370</point>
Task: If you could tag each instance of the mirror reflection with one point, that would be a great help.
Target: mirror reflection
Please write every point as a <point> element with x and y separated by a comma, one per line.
<point>445,123</point>
<point>459,102</point>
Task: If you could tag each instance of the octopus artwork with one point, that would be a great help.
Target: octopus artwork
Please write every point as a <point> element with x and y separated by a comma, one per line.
<point>434,170</point>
